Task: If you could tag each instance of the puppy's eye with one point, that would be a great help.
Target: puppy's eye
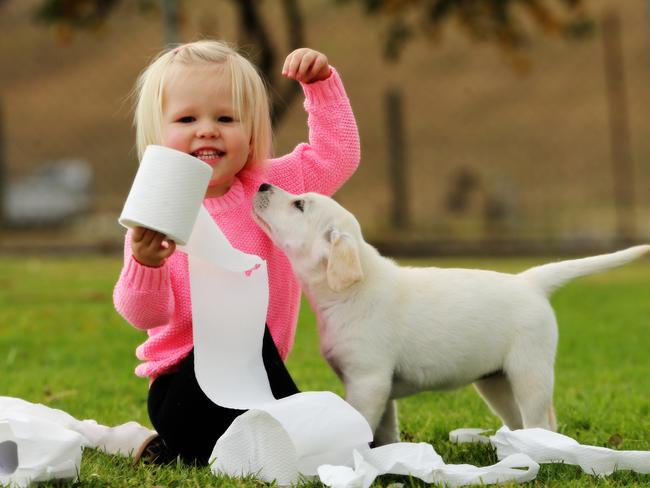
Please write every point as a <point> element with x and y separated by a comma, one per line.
<point>299,204</point>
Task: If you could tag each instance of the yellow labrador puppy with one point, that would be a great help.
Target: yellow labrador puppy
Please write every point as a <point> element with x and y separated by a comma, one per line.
<point>391,331</point>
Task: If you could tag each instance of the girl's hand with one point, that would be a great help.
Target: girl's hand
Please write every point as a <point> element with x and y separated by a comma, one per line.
<point>150,247</point>
<point>306,65</point>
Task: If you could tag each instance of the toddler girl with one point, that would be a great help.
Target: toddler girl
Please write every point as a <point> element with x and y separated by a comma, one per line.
<point>207,100</point>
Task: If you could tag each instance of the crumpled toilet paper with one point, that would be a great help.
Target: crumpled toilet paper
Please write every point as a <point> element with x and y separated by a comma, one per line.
<point>39,443</point>
<point>545,446</point>
<point>421,461</point>
<point>37,450</point>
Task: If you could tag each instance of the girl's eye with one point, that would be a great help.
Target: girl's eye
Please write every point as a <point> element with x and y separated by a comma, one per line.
<point>299,204</point>
<point>226,118</point>
<point>186,120</point>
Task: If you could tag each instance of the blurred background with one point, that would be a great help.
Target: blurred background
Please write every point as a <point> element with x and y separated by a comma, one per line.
<point>487,126</point>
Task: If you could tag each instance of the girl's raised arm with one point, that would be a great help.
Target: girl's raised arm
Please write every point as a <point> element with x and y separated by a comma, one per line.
<point>333,151</point>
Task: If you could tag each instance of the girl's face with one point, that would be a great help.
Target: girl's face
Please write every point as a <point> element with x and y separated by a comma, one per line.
<point>199,119</point>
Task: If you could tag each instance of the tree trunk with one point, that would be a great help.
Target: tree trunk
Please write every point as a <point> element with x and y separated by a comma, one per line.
<point>170,22</point>
<point>254,30</point>
<point>4,185</point>
<point>622,165</point>
<point>398,165</point>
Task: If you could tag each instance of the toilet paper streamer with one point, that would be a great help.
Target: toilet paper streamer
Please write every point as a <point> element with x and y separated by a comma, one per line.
<point>544,446</point>
<point>421,461</point>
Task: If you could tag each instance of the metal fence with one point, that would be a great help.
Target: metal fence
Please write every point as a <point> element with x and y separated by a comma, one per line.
<point>464,148</point>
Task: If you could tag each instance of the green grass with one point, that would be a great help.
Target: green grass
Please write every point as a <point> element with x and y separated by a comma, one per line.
<point>62,344</point>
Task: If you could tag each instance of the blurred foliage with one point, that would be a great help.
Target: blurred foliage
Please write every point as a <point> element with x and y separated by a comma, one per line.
<point>69,15</point>
<point>499,21</point>
<point>505,23</point>
<point>78,13</point>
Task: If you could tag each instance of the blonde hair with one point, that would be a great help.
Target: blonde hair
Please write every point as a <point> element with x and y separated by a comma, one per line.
<point>249,94</point>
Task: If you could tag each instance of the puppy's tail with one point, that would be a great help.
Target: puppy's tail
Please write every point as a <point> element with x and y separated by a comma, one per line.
<point>550,277</point>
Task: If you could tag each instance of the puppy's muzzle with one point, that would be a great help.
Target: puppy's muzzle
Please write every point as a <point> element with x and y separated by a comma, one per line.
<point>265,187</point>
<point>262,197</point>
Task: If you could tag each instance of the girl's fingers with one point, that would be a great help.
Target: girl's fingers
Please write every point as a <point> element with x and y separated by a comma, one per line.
<point>162,247</point>
<point>305,70</point>
<point>306,65</point>
<point>137,234</point>
<point>321,68</point>
<point>156,252</point>
<point>148,237</point>
<point>168,250</point>
<point>156,241</point>
<point>287,63</point>
<point>292,63</point>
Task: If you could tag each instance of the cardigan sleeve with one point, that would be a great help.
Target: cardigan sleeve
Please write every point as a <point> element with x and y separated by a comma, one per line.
<point>332,154</point>
<point>143,295</point>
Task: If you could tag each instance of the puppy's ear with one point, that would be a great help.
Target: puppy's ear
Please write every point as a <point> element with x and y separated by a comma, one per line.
<point>343,266</point>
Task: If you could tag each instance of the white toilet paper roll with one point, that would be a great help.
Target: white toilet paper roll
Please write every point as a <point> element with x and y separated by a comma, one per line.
<point>167,193</point>
<point>291,436</point>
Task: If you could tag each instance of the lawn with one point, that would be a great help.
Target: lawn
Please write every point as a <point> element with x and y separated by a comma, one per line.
<point>62,344</point>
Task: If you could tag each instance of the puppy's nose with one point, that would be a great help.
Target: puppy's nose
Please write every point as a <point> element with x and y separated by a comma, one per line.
<point>264,187</point>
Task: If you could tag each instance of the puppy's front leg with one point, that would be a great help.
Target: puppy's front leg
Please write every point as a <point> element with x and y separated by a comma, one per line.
<point>388,429</point>
<point>369,395</point>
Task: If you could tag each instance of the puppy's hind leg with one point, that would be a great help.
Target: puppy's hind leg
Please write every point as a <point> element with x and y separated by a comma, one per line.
<point>388,430</point>
<point>529,367</point>
<point>497,393</point>
<point>533,391</point>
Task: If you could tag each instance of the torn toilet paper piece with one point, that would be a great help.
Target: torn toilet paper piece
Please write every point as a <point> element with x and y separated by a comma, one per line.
<point>39,443</point>
<point>421,461</point>
<point>545,446</point>
<point>229,309</point>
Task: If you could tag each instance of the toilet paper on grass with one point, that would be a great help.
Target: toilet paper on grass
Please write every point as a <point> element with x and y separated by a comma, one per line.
<point>544,446</point>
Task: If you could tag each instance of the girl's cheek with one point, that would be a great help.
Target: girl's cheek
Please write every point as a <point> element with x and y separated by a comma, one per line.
<point>175,140</point>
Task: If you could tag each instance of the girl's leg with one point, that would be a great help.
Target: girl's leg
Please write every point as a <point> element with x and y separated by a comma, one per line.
<point>188,421</point>
<point>282,385</point>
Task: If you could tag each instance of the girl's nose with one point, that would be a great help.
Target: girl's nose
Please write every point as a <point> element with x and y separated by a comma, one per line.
<point>207,130</point>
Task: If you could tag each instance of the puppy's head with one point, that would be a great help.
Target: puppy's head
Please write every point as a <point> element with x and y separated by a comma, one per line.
<point>320,238</point>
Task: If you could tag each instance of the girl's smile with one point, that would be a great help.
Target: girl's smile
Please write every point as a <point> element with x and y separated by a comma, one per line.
<point>209,155</point>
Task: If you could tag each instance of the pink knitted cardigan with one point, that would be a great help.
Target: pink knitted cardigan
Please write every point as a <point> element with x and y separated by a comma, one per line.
<point>158,299</point>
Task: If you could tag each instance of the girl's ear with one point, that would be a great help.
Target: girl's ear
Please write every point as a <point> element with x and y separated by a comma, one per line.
<point>249,159</point>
